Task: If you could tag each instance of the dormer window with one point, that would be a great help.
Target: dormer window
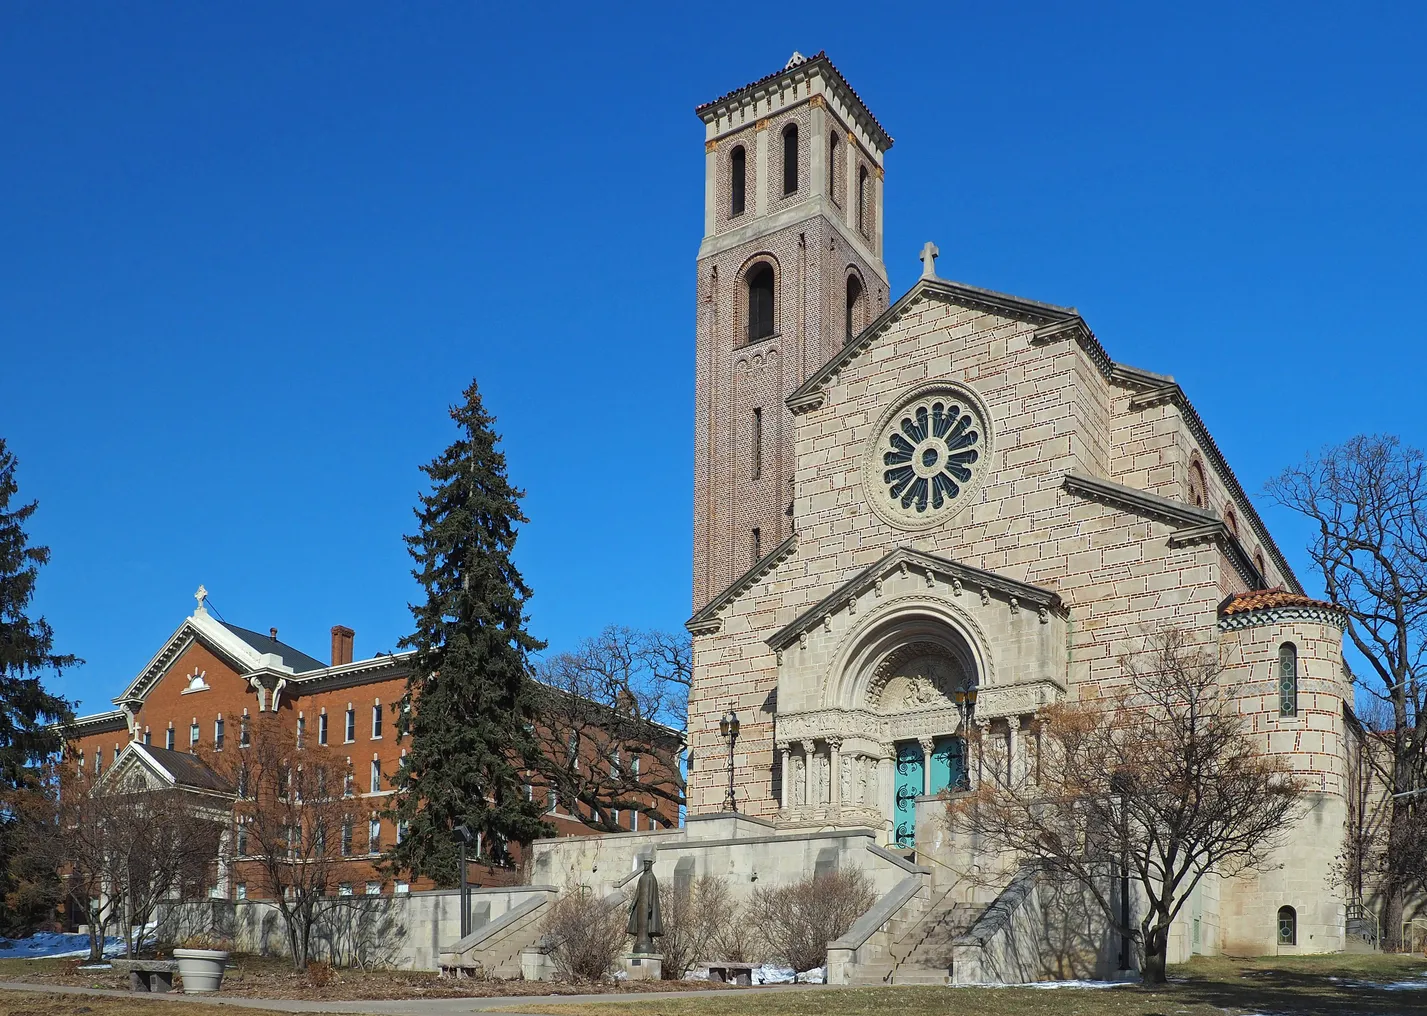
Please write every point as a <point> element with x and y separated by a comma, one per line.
<point>790,159</point>
<point>760,301</point>
<point>738,162</point>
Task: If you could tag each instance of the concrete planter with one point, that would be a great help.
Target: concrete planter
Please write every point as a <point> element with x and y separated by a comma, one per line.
<point>201,969</point>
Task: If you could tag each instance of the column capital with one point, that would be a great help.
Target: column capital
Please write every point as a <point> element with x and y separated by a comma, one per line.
<point>834,741</point>
<point>927,742</point>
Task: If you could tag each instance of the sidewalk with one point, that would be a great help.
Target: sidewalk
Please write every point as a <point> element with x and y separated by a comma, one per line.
<point>394,1007</point>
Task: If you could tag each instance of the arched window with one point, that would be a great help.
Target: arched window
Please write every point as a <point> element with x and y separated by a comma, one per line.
<point>1196,484</point>
<point>834,168</point>
<point>790,158</point>
<point>1287,926</point>
<point>862,199</point>
<point>1261,566</point>
<point>1231,521</point>
<point>1288,679</point>
<point>739,161</point>
<point>760,301</point>
<point>854,301</point>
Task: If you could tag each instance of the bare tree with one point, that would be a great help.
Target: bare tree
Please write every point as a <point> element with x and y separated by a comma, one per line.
<point>1367,500</point>
<point>694,912</point>
<point>1160,785</point>
<point>796,921</point>
<point>608,726</point>
<point>292,824</point>
<point>124,846</point>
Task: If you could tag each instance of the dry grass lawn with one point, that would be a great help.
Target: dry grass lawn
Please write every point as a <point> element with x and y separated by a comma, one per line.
<point>22,1003</point>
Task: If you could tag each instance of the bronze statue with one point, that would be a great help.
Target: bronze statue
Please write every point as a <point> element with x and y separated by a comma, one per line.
<point>644,921</point>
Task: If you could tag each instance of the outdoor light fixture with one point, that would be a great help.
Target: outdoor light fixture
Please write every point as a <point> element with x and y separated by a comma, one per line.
<point>462,835</point>
<point>728,727</point>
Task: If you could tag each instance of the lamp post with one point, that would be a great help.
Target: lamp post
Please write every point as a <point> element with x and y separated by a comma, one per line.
<point>965,700</point>
<point>728,727</point>
<point>462,835</point>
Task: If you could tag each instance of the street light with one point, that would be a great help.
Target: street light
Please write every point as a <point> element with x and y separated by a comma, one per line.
<point>462,835</point>
<point>965,701</point>
<point>728,727</point>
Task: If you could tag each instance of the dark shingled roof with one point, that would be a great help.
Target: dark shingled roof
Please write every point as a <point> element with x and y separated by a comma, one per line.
<point>189,770</point>
<point>1267,599</point>
<point>299,661</point>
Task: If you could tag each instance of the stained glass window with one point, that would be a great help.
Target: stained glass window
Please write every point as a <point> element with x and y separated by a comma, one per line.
<point>1288,679</point>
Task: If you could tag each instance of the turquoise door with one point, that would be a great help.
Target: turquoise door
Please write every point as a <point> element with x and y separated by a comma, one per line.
<point>949,765</point>
<point>908,789</point>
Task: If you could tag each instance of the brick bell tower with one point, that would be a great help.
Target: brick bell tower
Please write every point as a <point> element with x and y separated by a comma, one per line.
<point>790,268</point>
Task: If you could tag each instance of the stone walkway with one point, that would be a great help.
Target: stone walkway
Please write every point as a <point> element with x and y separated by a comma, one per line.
<point>392,1007</point>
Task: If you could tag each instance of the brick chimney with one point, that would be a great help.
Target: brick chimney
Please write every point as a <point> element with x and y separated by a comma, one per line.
<point>342,637</point>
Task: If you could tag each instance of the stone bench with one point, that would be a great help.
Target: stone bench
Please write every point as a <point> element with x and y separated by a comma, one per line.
<point>149,975</point>
<point>730,973</point>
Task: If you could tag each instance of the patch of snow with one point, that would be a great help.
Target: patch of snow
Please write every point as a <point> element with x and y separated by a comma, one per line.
<point>1048,984</point>
<point>48,945</point>
<point>817,975</point>
<point>769,974</point>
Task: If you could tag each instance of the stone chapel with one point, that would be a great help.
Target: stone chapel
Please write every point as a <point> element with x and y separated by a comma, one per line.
<point>924,516</point>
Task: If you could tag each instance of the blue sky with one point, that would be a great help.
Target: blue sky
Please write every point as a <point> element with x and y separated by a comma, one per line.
<point>251,252</point>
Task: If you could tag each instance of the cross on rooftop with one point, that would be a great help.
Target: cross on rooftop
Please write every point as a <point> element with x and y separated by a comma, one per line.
<point>929,256</point>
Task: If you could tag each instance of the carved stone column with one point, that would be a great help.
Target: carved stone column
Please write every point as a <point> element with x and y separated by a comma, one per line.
<point>1023,756</point>
<point>983,734</point>
<point>927,744</point>
<point>802,776</point>
<point>834,776</point>
<point>785,754</point>
<point>1013,749</point>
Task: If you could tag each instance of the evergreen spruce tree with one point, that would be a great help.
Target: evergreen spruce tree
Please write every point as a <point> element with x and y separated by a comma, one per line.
<point>467,703</point>
<point>27,710</point>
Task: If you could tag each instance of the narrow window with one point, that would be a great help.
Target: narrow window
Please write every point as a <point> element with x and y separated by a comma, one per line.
<point>854,298</point>
<point>322,729</point>
<point>1287,926</point>
<point>1261,566</point>
<point>148,736</point>
<point>739,159</point>
<point>401,828</point>
<point>349,782</point>
<point>862,200</point>
<point>756,544</point>
<point>218,733</point>
<point>351,724</point>
<point>244,735</point>
<point>760,301</point>
<point>193,734</point>
<point>242,841</point>
<point>242,890</point>
<point>374,836</point>
<point>168,739</point>
<point>98,761</point>
<point>790,159</point>
<point>634,821</point>
<point>347,837</point>
<point>834,168</point>
<point>301,729</point>
<point>376,777</point>
<point>1196,484</point>
<point>757,443</point>
<point>377,720</point>
<point>1288,679</point>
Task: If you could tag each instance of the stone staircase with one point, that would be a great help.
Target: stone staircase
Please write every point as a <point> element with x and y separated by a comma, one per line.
<point>494,949</point>
<point>921,944</point>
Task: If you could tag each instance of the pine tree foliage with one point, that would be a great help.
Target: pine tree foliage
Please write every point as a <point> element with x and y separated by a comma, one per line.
<point>468,703</point>
<point>26,645</point>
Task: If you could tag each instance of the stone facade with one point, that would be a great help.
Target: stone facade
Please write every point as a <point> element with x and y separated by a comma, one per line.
<point>969,493</point>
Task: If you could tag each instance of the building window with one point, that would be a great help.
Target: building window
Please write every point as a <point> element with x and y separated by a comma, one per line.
<point>755,544</point>
<point>862,223</point>
<point>854,304</point>
<point>245,736</point>
<point>634,821</point>
<point>401,828</point>
<point>834,167</point>
<point>1287,926</point>
<point>344,888</point>
<point>377,720</point>
<point>242,890</point>
<point>1261,566</point>
<point>322,729</point>
<point>1196,484</point>
<point>148,736</point>
<point>376,776</point>
<point>739,163</point>
<point>242,841</point>
<point>790,159</point>
<point>218,733</point>
<point>193,735</point>
<point>374,836</point>
<point>349,782</point>
<point>98,761</point>
<point>402,888</point>
<point>757,443</point>
<point>346,836</point>
<point>374,888</point>
<point>168,739</point>
<point>1288,679</point>
<point>351,724</point>
<point>1231,521</point>
<point>760,301</point>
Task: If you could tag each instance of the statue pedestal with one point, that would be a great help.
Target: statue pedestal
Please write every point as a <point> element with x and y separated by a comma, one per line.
<point>644,966</point>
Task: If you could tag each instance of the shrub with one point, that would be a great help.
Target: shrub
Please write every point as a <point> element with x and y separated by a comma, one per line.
<point>798,920</point>
<point>694,914</point>
<point>319,974</point>
<point>584,935</point>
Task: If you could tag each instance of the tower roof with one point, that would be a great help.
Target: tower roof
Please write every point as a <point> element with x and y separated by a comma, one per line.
<point>799,68</point>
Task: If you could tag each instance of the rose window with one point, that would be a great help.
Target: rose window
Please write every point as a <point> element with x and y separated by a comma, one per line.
<point>929,454</point>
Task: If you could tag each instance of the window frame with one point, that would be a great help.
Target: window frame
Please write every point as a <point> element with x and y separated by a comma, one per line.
<point>738,181</point>
<point>1287,671</point>
<point>761,322</point>
<point>791,153</point>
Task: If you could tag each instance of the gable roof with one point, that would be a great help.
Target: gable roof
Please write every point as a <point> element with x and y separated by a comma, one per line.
<point>1054,323</point>
<point>176,769</point>
<point>294,659</point>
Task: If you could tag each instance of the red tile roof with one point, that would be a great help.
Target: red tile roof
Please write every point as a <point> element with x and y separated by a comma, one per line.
<point>819,56</point>
<point>1267,599</point>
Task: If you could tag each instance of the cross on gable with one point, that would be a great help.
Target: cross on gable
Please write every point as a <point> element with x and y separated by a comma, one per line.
<point>929,256</point>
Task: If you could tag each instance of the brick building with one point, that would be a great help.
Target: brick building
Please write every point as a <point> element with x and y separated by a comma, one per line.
<point>211,680</point>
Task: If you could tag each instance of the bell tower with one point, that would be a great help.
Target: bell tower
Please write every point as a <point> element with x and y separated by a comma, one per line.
<point>790,268</point>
